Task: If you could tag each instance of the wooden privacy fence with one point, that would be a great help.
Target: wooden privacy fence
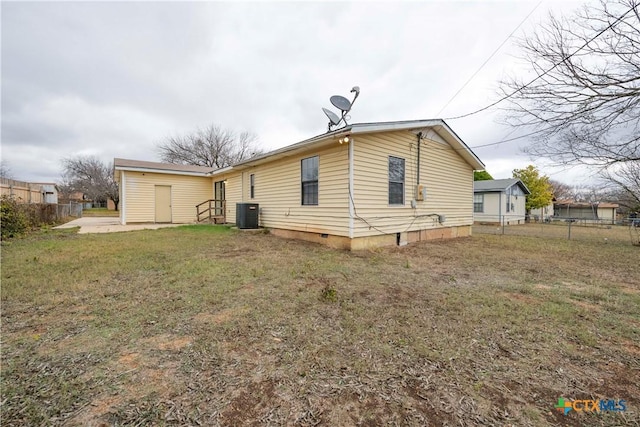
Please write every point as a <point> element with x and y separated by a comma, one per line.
<point>23,192</point>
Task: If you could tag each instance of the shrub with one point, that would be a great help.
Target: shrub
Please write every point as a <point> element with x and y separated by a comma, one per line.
<point>13,220</point>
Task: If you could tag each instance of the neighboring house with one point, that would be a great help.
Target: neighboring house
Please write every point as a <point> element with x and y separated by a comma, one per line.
<point>364,185</point>
<point>49,192</point>
<point>500,201</point>
<point>74,197</point>
<point>586,212</point>
<point>543,214</point>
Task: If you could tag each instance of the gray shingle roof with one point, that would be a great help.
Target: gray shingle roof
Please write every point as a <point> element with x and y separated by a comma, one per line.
<point>497,185</point>
<point>139,164</point>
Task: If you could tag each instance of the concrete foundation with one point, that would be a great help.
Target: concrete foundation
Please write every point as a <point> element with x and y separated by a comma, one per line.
<point>369,242</point>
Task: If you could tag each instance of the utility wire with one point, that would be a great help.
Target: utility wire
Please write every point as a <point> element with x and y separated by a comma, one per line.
<point>510,139</point>
<point>489,58</point>
<point>546,72</point>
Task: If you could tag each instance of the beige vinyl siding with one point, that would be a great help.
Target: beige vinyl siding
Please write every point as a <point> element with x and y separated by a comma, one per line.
<point>186,193</point>
<point>447,176</point>
<point>519,213</point>
<point>278,192</point>
<point>542,213</point>
<point>493,208</point>
<point>233,193</point>
<point>607,215</point>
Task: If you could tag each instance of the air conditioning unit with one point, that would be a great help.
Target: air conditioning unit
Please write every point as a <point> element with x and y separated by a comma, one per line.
<point>247,215</point>
<point>421,192</point>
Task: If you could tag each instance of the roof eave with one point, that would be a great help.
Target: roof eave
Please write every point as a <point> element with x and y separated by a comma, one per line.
<point>287,151</point>
<point>163,171</point>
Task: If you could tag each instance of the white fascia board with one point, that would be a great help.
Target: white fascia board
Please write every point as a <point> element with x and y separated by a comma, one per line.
<point>386,127</point>
<point>221,171</point>
<point>162,171</point>
<point>458,143</point>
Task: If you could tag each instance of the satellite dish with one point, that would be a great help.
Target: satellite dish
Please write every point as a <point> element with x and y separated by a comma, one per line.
<point>344,105</point>
<point>340,102</point>
<point>333,117</point>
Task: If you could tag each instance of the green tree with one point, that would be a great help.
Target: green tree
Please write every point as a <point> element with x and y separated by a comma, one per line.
<point>481,176</point>
<point>539,186</point>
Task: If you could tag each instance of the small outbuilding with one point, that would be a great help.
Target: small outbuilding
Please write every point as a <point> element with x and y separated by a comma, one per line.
<point>49,192</point>
<point>588,213</point>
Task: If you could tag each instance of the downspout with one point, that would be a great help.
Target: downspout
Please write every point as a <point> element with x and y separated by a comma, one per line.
<point>418,166</point>
<point>500,219</point>
<point>351,206</point>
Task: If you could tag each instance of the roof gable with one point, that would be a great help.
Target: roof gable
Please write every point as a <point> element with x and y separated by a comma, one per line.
<point>437,125</point>
<point>498,185</point>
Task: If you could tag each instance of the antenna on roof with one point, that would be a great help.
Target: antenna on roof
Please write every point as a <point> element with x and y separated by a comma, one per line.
<point>342,104</point>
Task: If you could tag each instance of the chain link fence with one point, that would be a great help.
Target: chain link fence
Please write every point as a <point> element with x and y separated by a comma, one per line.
<point>626,230</point>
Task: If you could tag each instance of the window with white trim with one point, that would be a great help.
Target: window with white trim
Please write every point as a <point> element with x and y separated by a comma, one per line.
<point>478,203</point>
<point>309,180</point>
<point>396,181</point>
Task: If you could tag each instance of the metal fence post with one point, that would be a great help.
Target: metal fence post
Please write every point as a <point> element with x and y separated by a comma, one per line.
<point>503,224</point>
<point>569,230</point>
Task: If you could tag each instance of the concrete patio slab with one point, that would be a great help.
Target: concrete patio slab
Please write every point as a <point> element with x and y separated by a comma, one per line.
<point>90,225</point>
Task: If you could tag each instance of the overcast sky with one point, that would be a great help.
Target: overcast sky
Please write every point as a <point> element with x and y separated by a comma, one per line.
<point>114,79</point>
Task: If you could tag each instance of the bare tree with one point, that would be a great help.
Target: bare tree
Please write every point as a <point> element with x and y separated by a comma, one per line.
<point>584,105</point>
<point>213,146</point>
<point>5,170</point>
<point>91,176</point>
<point>625,183</point>
<point>561,191</point>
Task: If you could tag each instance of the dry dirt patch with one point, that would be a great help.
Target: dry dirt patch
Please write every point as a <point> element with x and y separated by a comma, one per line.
<point>222,316</point>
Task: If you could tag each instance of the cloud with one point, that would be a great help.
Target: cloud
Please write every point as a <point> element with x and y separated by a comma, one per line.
<point>114,78</point>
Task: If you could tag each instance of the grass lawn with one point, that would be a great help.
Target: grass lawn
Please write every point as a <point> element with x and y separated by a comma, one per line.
<point>203,325</point>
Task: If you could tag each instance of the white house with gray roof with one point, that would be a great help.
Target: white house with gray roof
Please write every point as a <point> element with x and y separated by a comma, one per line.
<point>500,201</point>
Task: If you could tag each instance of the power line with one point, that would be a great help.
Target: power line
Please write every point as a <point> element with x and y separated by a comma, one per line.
<point>510,139</point>
<point>544,73</point>
<point>502,141</point>
<point>488,59</point>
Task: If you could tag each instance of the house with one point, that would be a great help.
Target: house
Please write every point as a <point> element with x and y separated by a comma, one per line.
<point>500,201</point>
<point>364,185</point>
<point>72,197</point>
<point>543,214</point>
<point>589,213</point>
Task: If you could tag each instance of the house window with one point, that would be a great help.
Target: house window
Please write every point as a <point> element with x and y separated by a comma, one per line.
<point>478,202</point>
<point>508,203</point>
<point>252,186</point>
<point>309,175</point>
<point>396,181</point>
